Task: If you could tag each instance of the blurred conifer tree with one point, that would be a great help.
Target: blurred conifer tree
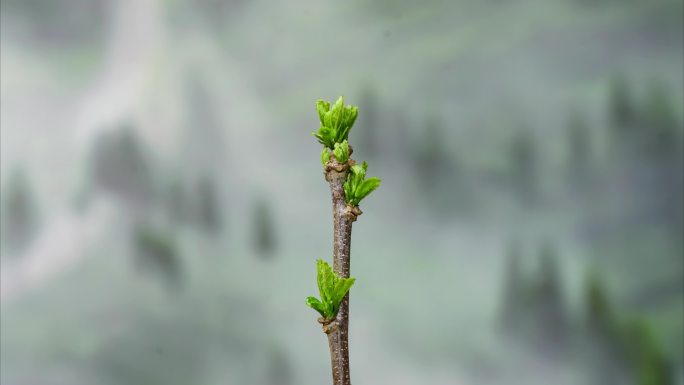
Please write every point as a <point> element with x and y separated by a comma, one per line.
<point>524,160</point>
<point>623,113</point>
<point>430,158</point>
<point>648,362</point>
<point>156,251</point>
<point>661,123</point>
<point>178,202</point>
<point>210,209</point>
<point>580,155</point>
<point>120,165</point>
<point>606,347</point>
<point>600,316</point>
<point>552,325</point>
<point>513,307</point>
<point>263,229</point>
<point>663,146</point>
<point>438,171</point>
<point>19,213</point>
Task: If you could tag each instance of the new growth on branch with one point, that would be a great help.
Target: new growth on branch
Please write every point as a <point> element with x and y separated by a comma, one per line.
<point>349,186</point>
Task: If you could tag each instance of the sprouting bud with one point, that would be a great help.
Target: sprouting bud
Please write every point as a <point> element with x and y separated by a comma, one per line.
<point>357,187</point>
<point>341,151</point>
<point>336,122</point>
<point>325,156</point>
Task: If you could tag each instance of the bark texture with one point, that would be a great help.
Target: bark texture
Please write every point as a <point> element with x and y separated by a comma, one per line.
<point>343,217</point>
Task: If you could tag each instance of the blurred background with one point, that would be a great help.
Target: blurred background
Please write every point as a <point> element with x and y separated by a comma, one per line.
<point>163,202</point>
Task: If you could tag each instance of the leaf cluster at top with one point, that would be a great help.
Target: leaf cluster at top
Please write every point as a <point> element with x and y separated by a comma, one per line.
<point>336,122</point>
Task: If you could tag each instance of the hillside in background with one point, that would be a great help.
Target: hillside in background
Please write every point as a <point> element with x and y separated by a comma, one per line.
<point>163,203</point>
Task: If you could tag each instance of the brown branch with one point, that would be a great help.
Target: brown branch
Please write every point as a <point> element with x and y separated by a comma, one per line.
<point>343,217</point>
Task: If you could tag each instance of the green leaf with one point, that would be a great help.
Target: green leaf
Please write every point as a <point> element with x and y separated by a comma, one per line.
<point>341,151</point>
<point>350,113</point>
<point>356,187</point>
<point>342,286</point>
<point>322,107</point>
<point>326,280</point>
<point>325,156</point>
<point>356,175</point>
<point>325,136</point>
<point>366,187</point>
<point>332,290</point>
<point>337,112</point>
<point>347,186</point>
<point>358,170</point>
<point>327,119</point>
<point>315,304</point>
<point>339,155</point>
<point>353,113</point>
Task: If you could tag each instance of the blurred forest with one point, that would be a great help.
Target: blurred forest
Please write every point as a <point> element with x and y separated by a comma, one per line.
<point>162,202</point>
